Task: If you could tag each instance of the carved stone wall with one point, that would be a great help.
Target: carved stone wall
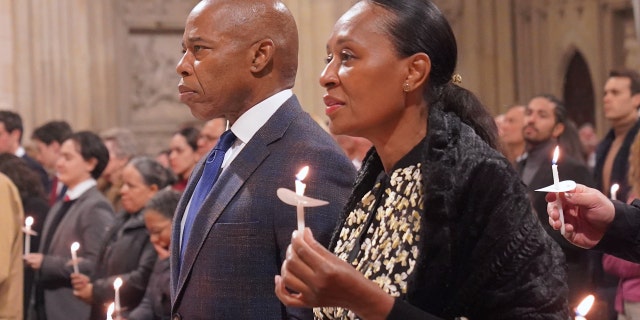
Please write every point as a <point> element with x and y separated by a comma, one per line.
<point>152,41</point>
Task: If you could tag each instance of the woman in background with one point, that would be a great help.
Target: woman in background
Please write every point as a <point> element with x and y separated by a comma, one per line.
<point>34,203</point>
<point>438,224</point>
<point>126,252</point>
<point>184,155</point>
<point>158,215</point>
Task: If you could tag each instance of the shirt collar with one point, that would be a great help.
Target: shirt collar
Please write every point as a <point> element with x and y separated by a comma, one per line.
<point>253,119</point>
<point>75,192</point>
<point>20,152</point>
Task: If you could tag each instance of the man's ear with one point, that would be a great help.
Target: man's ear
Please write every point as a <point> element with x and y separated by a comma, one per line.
<point>419,68</point>
<point>558,129</point>
<point>263,52</point>
<point>635,99</point>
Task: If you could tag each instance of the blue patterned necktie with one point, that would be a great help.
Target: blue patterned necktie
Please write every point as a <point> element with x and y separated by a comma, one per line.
<point>208,178</point>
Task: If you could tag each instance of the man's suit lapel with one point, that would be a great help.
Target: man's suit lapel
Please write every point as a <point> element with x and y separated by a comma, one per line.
<point>228,184</point>
<point>175,235</point>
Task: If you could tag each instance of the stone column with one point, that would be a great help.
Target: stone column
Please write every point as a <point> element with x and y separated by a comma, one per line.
<point>315,20</point>
<point>64,62</point>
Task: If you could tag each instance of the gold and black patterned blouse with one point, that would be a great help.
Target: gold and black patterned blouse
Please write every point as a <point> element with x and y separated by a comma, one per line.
<point>381,236</point>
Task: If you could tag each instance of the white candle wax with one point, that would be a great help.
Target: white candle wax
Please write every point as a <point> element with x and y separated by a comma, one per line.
<point>27,235</point>
<point>614,191</point>
<point>116,286</point>
<point>556,182</point>
<point>300,186</point>
<point>74,257</point>
<point>110,311</point>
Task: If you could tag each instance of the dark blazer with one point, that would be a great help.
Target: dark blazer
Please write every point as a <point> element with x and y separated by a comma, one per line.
<point>86,222</point>
<point>620,162</point>
<point>240,236</point>
<point>622,238</point>
<point>156,304</point>
<point>126,253</point>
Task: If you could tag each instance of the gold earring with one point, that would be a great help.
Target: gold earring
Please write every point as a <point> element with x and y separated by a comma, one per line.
<point>406,87</point>
<point>456,79</point>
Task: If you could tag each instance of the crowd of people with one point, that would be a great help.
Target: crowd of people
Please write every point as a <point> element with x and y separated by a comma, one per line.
<point>432,202</point>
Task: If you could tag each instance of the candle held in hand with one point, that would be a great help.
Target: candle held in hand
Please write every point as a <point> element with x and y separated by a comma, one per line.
<point>614,191</point>
<point>556,182</point>
<point>74,256</point>
<point>116,286</point>
<point>28,222</point>
<point>110,311</point>
<point>300,191</point>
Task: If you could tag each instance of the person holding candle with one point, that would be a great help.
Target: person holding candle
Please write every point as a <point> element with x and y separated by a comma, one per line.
<point>439,225</point>
<point>35,205</point>
<point>545,122</point>
<point>11,251</point>
<point>158,215</point>
<point>231,231</point>
<point>627,301</point>
<point>82,216</point>
<point>126,252</point>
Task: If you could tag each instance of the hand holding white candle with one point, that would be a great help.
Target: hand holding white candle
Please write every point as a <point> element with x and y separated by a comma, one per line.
<point>28,222</point>
<point>556,182</point>
<point>614,191</point>
<point>74,256</point>
<point>300,191</point>
<point>116,286</point>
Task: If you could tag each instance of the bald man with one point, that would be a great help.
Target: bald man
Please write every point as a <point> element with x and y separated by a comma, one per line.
<point>239,62</point>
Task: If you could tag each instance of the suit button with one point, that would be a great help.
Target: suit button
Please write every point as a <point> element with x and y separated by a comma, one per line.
<point>176,316</point>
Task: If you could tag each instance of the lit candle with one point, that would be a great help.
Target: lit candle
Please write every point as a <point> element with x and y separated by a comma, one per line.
<point>614,191</point>
<point>584,307</point>
<point>110,311</point>
<point>27,234</point>
<point>300,191</point>
<point>74,257</point>
<point>116,286</point>
<point>556,182</point>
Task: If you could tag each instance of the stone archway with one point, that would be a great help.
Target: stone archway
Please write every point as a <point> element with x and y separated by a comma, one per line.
<point>578,93</point>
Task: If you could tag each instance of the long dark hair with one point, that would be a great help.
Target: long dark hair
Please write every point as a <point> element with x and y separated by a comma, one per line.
<point>26,180</point>
<point>419,26</point>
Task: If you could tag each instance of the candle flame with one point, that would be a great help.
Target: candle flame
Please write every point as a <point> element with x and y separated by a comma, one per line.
<point>117,283</point>
<point>584,306</point>
<point>556,154</point>
<point>110,310</point>
<point>75,246</point>
<point>28,221</point>
<point>302,173</point>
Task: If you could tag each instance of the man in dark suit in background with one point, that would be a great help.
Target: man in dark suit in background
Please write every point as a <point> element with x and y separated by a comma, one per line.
<point>11,130</point>
<point>545,118</point>
<point>240,63</point>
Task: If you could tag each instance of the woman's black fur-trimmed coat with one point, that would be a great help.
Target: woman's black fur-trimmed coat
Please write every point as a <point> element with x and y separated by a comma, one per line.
<point>484,254</point>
